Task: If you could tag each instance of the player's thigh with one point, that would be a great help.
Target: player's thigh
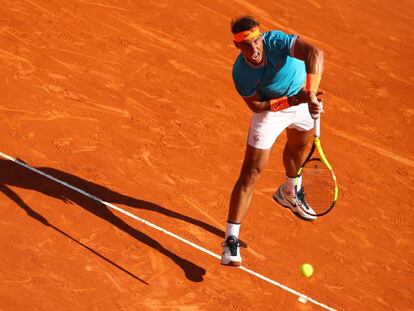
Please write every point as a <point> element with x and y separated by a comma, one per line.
<point>298,139</point>
<point>255,160</point>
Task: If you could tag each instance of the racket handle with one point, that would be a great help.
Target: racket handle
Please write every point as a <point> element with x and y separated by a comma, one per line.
<point>317,127</point>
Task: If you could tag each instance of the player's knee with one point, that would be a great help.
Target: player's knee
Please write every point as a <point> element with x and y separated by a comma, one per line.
<point>302,147</point>
<point>250,176</point>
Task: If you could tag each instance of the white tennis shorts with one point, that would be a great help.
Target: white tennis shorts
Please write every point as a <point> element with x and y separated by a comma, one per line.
<point>266,126</point>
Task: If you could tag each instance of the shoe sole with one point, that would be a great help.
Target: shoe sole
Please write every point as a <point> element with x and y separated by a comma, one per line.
<point>287,206</point>
<point>232,264</point>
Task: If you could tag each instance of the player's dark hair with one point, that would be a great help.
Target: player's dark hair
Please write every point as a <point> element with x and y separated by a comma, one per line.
<point>243,23</point>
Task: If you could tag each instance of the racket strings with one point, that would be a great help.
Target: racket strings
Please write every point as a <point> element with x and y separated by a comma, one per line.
<point>319,186</point>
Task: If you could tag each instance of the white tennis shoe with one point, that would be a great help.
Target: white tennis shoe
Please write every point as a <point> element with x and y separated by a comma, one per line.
<point>231,252</point>
<point>294,203</point>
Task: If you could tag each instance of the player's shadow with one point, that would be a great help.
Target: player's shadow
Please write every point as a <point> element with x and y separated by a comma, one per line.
<point>12,174</point>
<point>35,215</point>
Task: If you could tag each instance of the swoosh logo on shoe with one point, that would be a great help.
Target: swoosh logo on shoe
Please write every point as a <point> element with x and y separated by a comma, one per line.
<point>291,202</point>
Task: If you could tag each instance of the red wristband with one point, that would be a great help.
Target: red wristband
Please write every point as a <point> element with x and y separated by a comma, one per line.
<point>312,82</point>
<point>279,104</point>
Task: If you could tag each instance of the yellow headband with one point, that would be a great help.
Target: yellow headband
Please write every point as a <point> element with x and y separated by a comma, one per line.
<point>246,35</point>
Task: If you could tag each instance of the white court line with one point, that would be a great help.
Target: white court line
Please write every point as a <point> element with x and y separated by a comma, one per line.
<point>301,297</point>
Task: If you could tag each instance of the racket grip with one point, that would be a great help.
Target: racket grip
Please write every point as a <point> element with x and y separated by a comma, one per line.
<point>317,127</point>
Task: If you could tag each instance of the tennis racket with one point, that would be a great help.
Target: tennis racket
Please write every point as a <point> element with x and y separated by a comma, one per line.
<point>319,189</point>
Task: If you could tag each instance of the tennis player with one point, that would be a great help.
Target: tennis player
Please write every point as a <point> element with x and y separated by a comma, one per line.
<point>278,76</point>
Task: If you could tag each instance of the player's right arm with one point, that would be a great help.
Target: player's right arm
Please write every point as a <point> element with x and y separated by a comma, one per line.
<point>255,104</point>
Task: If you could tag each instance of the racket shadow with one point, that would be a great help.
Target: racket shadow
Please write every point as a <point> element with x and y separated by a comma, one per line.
<point>15,175</point>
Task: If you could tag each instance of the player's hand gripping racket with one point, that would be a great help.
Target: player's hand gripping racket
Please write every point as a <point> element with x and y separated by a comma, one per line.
<point>319,190</point>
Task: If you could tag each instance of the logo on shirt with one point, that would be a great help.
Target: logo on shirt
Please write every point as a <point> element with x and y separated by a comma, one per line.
<point>256,137</point>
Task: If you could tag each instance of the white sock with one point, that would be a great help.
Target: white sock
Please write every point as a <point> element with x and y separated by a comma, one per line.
<point>232,229</point>
<point>290,184</point>
<point>299,182</point>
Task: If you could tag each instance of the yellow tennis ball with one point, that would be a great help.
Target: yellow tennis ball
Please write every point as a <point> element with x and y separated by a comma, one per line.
<point>306,269</point>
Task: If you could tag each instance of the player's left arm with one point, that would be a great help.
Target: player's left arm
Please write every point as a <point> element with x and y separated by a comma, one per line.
<point>314,63</point>
<point>310,54</point>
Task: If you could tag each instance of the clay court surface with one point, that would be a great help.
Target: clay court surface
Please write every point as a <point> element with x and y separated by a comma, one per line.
<point>133,102</point>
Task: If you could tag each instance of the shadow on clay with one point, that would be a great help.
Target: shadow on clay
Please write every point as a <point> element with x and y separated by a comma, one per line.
<point>15,175</point>
<point>14,197</point>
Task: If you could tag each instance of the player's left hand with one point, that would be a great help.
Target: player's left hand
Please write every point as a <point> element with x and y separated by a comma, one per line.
<point>315,104</point>
<point>302,97</point>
